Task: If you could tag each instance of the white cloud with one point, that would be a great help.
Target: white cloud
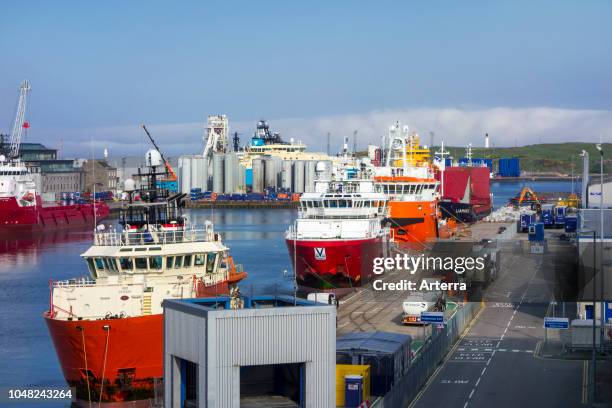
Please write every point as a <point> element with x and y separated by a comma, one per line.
<point>506,126</point>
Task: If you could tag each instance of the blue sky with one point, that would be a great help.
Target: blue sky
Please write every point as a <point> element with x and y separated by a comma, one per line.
<point>99,68</point>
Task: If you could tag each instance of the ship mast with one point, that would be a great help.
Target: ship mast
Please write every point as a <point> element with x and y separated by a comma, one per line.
<point>20,122</point>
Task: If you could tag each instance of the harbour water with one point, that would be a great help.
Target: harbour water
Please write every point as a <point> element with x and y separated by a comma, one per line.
<point>255,237</point>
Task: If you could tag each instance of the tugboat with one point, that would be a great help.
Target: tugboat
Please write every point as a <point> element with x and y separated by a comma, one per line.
<point>339,231</point>
<point>21,207</point>
<point>107,328</point>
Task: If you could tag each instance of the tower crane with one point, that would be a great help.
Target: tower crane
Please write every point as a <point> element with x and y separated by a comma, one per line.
<point>20,123</point>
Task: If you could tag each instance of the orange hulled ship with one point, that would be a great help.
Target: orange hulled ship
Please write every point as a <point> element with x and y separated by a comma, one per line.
<point>407,178</point>
<point>107,329</point>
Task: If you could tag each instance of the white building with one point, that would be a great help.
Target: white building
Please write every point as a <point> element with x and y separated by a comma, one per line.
<point>255,351</point>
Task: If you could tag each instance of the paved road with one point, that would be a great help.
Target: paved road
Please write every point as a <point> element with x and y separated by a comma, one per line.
<point>494,364</point>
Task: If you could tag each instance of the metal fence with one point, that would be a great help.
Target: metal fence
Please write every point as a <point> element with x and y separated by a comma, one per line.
<point>429,357</point>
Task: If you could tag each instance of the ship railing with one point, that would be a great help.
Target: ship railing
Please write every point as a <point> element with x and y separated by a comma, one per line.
<point>74,283</point>
<point>344,213</point>
<point>293,233</point>
<point>123,238</point>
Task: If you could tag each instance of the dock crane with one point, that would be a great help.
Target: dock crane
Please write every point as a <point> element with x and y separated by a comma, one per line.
<point>171,175</point>
<point>19,124</point>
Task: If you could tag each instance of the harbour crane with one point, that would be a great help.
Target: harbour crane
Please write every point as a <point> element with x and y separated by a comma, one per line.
<point>20,123</point>
<point>169,170</point>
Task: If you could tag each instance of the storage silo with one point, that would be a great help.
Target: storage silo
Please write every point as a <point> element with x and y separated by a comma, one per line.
<point>203,172</point>
<point>310,176</point>
<point>270,172</point>
<point>241,178</point>
<point>231,173</point>
<point>286,174</point>
<point>196,177</point>
<point>298,176</point>
<point>258,175</point>
<point>218,170</point>
<point>185,174</point>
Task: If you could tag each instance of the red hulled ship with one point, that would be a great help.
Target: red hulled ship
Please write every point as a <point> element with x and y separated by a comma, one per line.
<point>338,233</point>
<point>107,329</point>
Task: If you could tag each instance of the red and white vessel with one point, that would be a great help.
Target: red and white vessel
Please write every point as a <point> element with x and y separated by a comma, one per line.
<point>107,328</point>
<point>22,210</point>
<point>339,231</point>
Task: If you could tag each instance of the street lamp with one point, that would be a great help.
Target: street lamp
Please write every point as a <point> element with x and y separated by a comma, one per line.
<point>602,318</point>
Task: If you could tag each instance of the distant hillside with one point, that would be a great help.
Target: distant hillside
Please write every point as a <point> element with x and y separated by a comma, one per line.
<point>545,158</point>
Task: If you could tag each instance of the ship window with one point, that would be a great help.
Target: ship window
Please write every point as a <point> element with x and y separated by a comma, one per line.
<point>99,264</point>
<point>90,265</point>
<point>210,262</point>
<point>169,262</point>
<point>199,259</point>
<point>155,262</point>
<point>126,264</point>
<point>141,263</point>
<point>187,261</point>
<point>342,203</point>
<point>178,262</point>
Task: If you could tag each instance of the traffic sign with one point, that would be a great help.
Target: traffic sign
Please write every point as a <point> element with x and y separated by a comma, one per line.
<point>432,317</point>
<point>556,323</point>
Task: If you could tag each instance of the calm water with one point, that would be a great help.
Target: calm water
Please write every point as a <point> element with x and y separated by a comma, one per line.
<point>27,357</point>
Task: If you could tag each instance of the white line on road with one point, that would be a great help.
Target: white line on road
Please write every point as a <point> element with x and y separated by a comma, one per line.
<point>472,393</point>
<point>477,381</point>
<point>483,371</point>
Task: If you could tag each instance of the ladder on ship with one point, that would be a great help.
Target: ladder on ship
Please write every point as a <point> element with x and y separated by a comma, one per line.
<point>146,304</point>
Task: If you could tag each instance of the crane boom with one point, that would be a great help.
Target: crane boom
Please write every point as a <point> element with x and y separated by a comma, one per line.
<point>169,168</point>
<point>20,122</point>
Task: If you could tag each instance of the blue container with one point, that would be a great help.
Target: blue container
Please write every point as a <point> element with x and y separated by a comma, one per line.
<point>571,223</point>
<point>248,177</point>
<point>353,391</point>
<point>560,213</point>
<point>536,232</point>
<point>547,215</point>
<point>509,167</point>
<point>526,220</point>
<point>448,162</point>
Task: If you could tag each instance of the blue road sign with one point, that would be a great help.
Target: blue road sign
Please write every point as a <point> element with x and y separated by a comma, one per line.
<point>556,323</point>
<point>432,317</point>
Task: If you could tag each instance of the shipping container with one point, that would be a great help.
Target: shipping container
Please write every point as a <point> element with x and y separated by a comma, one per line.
<point>509,167</point>
<point>571,224</point>
<point>536,232</point>
<point>547,216</point>
<point>560,213</point>
<point>387,354</point>
<point>527,218</point>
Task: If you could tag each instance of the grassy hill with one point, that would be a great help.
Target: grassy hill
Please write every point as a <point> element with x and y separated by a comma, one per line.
<point>546,158</point>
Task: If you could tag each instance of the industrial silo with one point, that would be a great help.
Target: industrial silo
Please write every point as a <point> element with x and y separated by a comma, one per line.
<point>298,176</point>
<point>196,177</point>
<point>241,178</point>
<point>310,176</point>
<point>271,173</point>
<point>231,173</point>
<point>258,176</point>
<point>185,174</point>
<point>203,172</point>
<point>286,174</point>
<point>218,172</point>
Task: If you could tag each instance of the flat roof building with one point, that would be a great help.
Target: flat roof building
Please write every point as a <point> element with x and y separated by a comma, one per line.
<point>249,351</point>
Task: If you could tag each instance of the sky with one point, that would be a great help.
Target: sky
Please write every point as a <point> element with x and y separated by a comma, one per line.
<point>523,71</point>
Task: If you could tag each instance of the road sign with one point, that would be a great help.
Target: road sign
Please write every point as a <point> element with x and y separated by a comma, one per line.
<point>432,317</point>
<point>556,323</point>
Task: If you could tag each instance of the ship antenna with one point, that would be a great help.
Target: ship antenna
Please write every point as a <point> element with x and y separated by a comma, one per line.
<point>93,177</point>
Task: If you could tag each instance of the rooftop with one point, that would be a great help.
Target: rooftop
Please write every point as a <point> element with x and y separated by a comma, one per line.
<point>201,306</point>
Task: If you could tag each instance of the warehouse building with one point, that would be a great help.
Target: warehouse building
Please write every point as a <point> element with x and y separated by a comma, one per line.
<point>241,352</point>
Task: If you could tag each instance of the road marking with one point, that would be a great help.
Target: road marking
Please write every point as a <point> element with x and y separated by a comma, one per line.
<point>477,381</point>
<point>472,393</point>
<point>501,349</point>
<point>585,382</point>
<point>483,371</point>
<point>465,405</point>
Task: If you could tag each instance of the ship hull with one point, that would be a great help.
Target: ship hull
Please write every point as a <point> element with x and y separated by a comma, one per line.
<point>413,222</point>
<point>17,219</point>
<point>125,355</point>
<point>464,212</point>
<point>334,264</point>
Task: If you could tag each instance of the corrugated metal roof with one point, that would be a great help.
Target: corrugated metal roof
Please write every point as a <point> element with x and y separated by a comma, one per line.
<point>377,342</point>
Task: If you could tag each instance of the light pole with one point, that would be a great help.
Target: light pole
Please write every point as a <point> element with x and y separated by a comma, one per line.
<point>602,311</point>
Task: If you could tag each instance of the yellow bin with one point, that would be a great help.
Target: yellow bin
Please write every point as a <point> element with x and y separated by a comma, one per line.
<point>343,370</point>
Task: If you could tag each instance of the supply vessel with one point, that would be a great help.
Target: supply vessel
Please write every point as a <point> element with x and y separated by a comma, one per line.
<point>107,328</point>
<point>21,207</point>
<point>408,180</point>
<point>339,231</point>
